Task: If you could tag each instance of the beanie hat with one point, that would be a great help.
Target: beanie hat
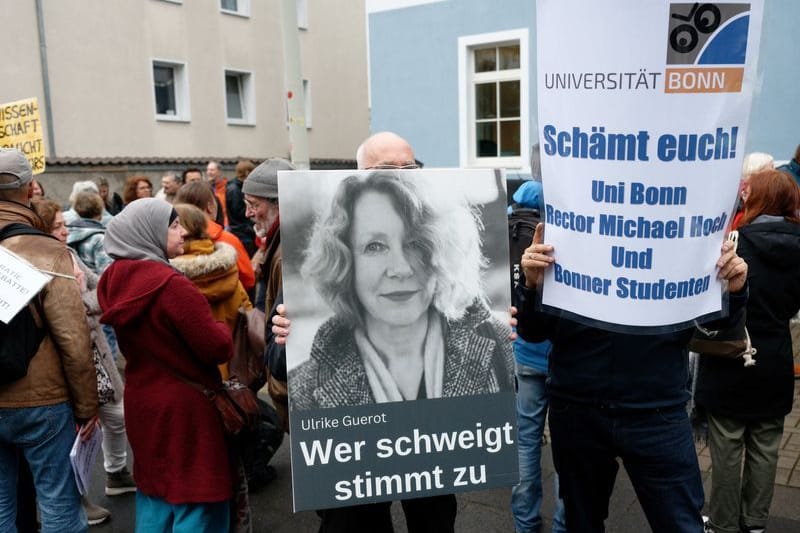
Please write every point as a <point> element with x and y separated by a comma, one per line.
<point>13,162</point>
<point>263,180</point>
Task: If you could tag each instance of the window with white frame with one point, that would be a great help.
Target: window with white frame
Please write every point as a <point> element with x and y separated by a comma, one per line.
<point>494,99</point>
<point>171,91</point>
<point>239,99</point>
<point>235,7</point>
<point>302,14</point>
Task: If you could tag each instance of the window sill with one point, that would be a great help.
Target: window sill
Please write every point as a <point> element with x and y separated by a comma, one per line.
<point>239,122</point>
<point>172,118</point>
<point>240,14</point>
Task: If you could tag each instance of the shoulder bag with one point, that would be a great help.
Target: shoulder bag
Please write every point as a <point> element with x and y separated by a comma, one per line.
<point>731,342</point>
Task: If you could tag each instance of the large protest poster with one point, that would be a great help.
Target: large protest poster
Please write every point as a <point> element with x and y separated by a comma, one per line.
<point>643,114</point>
<point>399,365</point>
<point>21,128</point>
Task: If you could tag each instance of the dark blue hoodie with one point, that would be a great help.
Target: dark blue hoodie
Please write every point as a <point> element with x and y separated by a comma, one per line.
<point>615,370</point>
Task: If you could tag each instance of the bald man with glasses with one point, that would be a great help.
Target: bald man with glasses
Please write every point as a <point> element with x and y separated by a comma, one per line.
<point>386,151</point>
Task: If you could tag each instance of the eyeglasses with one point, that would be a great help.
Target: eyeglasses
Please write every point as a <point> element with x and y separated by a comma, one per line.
<point>256,204</point>
<point>412,166</point>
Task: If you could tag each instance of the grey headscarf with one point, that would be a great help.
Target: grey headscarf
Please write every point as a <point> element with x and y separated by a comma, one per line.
<point>140,231</point>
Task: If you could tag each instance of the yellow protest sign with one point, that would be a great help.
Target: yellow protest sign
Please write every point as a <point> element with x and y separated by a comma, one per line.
<point>21,128</point>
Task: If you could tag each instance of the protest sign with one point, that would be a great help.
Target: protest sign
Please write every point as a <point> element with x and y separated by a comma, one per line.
<point>21,128</point>
<point>19,282</point>
<point>643,114</point>
<point>399,365</point>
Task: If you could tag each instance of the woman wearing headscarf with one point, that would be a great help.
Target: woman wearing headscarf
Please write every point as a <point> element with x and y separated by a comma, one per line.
<point>746,405</point>
<point>166,331</point>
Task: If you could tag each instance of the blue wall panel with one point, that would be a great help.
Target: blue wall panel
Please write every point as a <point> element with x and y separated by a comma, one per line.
<point>414,72</point>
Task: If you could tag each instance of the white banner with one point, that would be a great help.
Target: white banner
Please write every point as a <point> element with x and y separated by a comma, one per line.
<point>19,282</point>
<point>643,114</point>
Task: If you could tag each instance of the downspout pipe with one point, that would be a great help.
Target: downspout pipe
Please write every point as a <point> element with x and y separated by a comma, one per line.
<point>298,136</point>
<point>48,108</point>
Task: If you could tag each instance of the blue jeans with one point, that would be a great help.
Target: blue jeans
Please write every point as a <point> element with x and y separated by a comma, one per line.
<point>526,497</point>
<point>154,515</point>
<point>45,436</point>
<point>657,449</point>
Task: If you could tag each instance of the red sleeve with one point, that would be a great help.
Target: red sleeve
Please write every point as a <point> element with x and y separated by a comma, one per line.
<point>190,314</point>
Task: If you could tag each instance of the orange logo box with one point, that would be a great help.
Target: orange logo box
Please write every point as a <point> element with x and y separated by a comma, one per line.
<point>703,80</point>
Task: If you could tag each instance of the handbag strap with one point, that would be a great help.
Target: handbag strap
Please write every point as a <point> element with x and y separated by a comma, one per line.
<point>208,393</point>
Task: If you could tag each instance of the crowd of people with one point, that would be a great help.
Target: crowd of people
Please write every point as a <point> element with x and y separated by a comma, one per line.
<point>153,282</point>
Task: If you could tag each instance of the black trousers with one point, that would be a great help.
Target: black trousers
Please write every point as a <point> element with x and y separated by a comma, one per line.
<point>435,514</point>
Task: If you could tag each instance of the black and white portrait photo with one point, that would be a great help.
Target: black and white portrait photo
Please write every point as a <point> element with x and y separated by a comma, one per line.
<point>396,286</point>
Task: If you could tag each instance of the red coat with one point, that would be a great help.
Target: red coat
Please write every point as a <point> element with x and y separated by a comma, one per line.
<point>164,326</point>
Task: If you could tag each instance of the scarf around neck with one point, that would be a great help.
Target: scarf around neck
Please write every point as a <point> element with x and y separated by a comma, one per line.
<point>383,386</point>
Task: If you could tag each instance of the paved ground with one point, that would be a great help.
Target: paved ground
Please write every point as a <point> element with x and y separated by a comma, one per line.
<point>488,511</point>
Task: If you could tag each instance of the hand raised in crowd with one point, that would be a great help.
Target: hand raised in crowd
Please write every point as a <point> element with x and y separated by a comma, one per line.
<point>281,326</point>
<point>536,258</point>
<point>731,267</point>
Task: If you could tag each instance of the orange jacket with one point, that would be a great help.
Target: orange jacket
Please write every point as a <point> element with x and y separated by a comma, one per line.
<point>246,274</point>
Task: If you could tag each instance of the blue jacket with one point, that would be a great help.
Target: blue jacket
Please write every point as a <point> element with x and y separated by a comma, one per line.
<point>530,354</point>
<point>615,370</point>
<point>793,168</point>
<point>86,238</point>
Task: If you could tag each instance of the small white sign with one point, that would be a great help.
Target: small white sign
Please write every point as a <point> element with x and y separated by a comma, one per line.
<point>19,282</point>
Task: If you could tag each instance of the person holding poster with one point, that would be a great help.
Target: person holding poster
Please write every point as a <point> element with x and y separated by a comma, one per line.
<point>437,282</point>
<point>621,395</point>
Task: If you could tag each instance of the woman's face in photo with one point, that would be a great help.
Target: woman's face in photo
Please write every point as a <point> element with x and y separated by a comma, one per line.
<point>391,280</point>
<point>37,189</point>
<point>175,235</point>
<point>59,230</point>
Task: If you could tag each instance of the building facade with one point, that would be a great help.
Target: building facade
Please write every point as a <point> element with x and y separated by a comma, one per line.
<point>184,80</point>
<point>457,78</point>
